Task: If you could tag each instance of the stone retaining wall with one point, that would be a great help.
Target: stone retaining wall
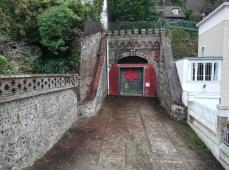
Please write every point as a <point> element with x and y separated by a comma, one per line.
<point>93,103</point>
<point>89,52</point>
<point>169,87</point>
<point>35,111</point>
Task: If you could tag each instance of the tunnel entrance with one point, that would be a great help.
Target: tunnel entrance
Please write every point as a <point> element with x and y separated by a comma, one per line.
<point>132,76</point>
<point>133,60</point>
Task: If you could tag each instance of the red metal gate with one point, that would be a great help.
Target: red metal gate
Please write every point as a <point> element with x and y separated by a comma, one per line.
<point>149,79</point>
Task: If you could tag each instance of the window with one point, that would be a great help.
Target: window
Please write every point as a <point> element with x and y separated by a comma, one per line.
<point>204,71</point>
<point>216,71</point>
<point>208,71</point>
<point>193,71</point>
<point>200,72</point>
<point>175,11</point>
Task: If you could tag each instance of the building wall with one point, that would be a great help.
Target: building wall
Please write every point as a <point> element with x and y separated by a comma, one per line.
<point>99,90</point>
<point>31,123</point>
<point>212,41</point>
<point>211,31</point>
<point>89,52</point>
<point>214,34</point>
<point>204,92</point>
<point>169,86</point>
<point>225,72</point>
<point>104,16</point>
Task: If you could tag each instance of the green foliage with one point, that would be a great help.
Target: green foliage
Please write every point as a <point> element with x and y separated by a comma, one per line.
<point>184,42</point>
<point>52,25</point>
<point>6,66</point>
<point>18,17</point>
<point>57,65</point>
<point>96,9</point>
<point>195,139</point>
<point>177,2</point>
<point>79,9</point>
<point>131,10</point>
<point>56,28</point>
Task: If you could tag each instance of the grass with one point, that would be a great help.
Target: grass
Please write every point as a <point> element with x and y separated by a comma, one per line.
<point>195,139</point>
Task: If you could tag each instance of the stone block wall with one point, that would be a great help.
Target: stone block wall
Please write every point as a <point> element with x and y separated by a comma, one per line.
<point>89,53</point>
<point>34,118</point>
<point>169,87</point>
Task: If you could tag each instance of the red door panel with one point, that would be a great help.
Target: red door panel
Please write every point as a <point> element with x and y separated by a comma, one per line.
<point>150,81</point>
<point>114,80</point>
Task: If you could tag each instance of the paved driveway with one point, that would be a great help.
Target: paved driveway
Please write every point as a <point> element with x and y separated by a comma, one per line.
<point>129,133</point>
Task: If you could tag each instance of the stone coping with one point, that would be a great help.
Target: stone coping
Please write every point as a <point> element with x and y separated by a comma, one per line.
<point>223,111</point>
<point>21,86</point>
<point>35,75</point>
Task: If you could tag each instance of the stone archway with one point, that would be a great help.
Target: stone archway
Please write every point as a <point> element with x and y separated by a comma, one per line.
<point>132,60</point>
<point>133,53</point>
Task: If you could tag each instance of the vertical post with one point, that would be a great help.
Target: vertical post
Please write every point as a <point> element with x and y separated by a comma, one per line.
<point>222,120</point>
<point>108,66</point>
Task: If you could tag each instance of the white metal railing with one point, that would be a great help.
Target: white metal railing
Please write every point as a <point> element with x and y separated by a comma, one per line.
<point>207,114</point>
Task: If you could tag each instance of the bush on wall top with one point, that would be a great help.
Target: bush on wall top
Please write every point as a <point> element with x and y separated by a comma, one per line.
<point>6,66</point>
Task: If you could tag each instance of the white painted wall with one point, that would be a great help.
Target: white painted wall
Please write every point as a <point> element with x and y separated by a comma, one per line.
<point>211,31</point>
<point>212,41</point>
<point>214,35</point>
<point>194,90</point>
<point>104,16</point>
<point>225,72</point>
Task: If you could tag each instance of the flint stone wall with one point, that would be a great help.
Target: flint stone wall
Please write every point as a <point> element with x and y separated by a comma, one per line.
<point>89,52</point>
<point>35,111</point>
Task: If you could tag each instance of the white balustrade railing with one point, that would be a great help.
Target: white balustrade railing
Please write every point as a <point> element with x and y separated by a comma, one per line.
<point>204,112</point>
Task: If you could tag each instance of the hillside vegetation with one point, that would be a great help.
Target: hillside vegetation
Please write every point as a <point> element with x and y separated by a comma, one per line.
<point>53,26</point>
<point>184,43</point>
<point>132,10</point>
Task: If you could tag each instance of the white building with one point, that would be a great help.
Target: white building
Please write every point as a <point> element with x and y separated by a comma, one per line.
<point>205,83</point>
<point>204,78</point>
<point>201,80</point>
<point>104,16</point>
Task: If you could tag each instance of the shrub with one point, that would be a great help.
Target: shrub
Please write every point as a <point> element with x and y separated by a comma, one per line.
<point>184,43</point>
<point>52,66</point>
<point>6,66</point>
<point>56,28</point>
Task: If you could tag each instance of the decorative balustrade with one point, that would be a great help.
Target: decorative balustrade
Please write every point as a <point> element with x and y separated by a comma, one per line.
<point>14,87</point>
<point>137,31</point>
<point>138,27</point>
<point>207,114</point>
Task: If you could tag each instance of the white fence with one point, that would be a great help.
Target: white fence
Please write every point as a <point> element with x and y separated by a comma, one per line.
<point>207,115</point>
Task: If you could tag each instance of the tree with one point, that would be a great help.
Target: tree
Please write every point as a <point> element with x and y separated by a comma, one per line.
<point>18,17</point>
<point>56,27</point>
<point>131,10</point>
